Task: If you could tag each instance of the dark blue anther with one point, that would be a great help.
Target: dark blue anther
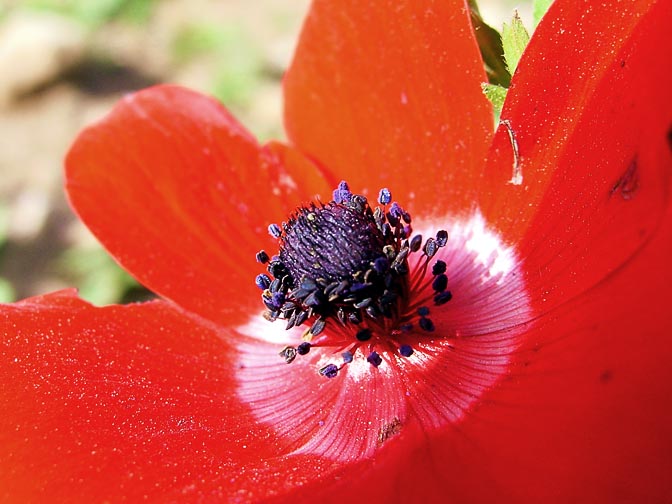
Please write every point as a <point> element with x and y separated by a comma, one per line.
<point>423,311</point>
<point>363,334</point>
<point>406,350</point>
<point>426,324</point>
<point>357,202</point>
<point>332,289</point>
<point>291,321</point>
<point>277,269</point>
<point>273,311</point>
<point>299,293</point>
<point>384,196</point>
<point>262,257</point>
<point>381,265</point>
<point>316,298</point>
<point>443,298</point>
<point>262,281</point>
<point>396,211</point>
<point>430,247</point>
<point>308,284</point>
<point>392,220</point>
<point>329,371</point>
<point>357,286</point>
<point>406,327</point>
<point>288,306</point>
<point>303,348</point>
<point>288,353</point>
<point>440,283</point>
<point>347,357</point>
<point>317,327</point>
<point>416,241</point>
<point>388,298</point>
<point>277,300</point>
<point>442,238</point>
<point>342,193</point>
<point>274,230</point>
<point>363,303</point>
<point>275,285</point>
<point>374,359</point>
<point>438,268</point>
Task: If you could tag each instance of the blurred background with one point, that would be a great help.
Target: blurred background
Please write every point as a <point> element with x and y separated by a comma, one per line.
<point>64,63</point>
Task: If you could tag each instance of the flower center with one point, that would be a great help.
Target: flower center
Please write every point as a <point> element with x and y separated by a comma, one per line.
<point>345,264</point>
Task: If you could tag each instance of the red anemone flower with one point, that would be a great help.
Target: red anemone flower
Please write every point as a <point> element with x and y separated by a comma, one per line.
<point>545,378</point>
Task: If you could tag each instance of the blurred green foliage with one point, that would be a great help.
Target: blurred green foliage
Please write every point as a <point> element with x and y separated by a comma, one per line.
<point>7,292</point>
<point>4,224</point>
<point>93,13</point>
<point>99,279</point>
<point>236,61</point>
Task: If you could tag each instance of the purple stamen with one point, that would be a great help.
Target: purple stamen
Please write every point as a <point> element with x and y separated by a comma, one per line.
<point>374,359</point>
<point>329,371</point>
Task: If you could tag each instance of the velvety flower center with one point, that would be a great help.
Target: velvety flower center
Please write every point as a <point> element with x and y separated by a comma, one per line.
<point>345,264</point>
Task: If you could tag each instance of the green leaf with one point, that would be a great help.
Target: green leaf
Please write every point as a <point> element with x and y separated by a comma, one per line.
<point>514,41</point>
<point>490,44</point>
<point>539,8</point>
<point>496,94</point>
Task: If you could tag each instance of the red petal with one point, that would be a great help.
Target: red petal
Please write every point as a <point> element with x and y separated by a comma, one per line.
<point>388,95</point>
<point>123,402</point>
<point>592,136</point>
<point>588,419</point>
<point>181,195</point>
<point>337,419</point>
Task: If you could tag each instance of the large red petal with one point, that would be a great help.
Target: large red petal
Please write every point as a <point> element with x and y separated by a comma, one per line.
<point>592,135</point>
<point>181,195</point>
<point>387,94</point>
<point>586,416</point>
<point>132,402</point>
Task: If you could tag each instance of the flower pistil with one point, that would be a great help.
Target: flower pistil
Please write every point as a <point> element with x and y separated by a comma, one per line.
<point>345,263</point>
